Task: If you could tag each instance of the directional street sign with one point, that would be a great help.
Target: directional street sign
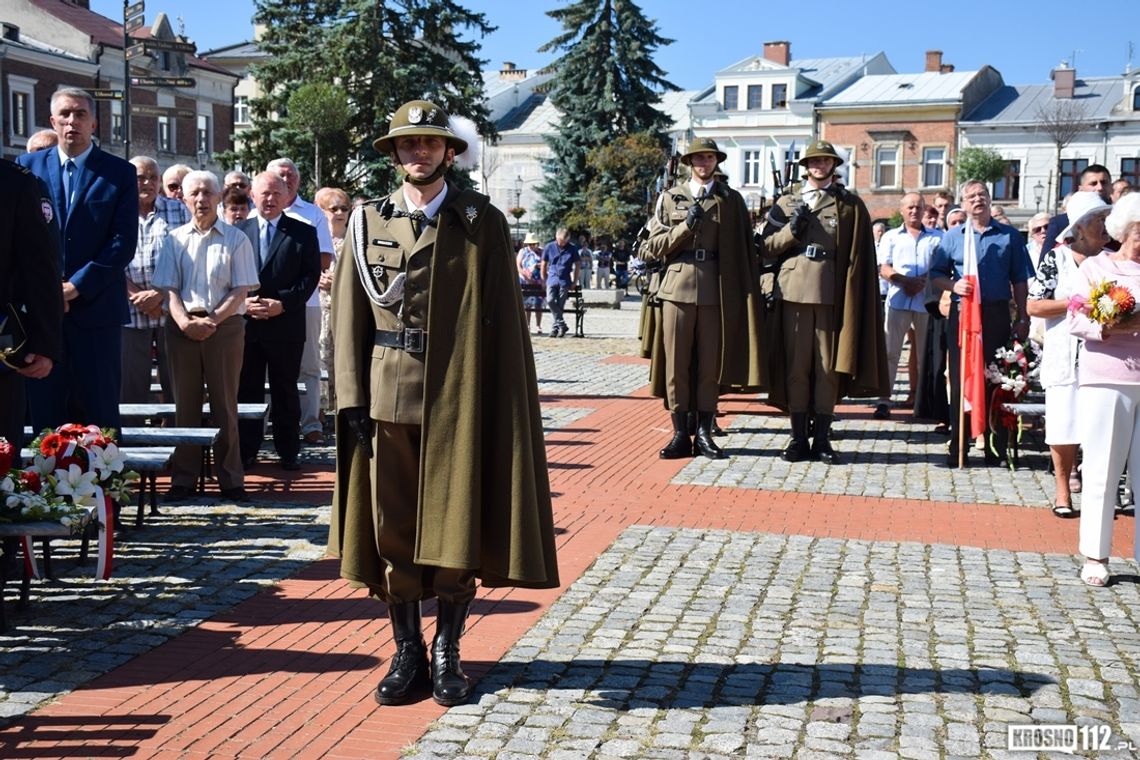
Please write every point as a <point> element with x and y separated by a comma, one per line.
<point>107,94</point>
<point>134,51</point>
<point>172,45</point>
<point>134,10</point>
<point>163,82</point>
<point>134,23</point>
<point>181,113</point>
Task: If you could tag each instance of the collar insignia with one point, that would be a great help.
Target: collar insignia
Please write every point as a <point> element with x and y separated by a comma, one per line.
<point>471,213</point>
<point>415,115</point>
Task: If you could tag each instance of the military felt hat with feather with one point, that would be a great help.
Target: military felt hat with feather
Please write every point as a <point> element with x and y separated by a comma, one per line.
<point>419,117</point>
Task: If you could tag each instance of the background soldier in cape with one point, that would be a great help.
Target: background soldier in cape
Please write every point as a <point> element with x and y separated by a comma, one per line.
<point>706,335</point>
<point>827,327</point>
<point>441,465</point>
<point>31,302</point>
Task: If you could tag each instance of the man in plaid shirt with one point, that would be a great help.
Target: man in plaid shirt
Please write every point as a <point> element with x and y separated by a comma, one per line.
<point>158,215</point>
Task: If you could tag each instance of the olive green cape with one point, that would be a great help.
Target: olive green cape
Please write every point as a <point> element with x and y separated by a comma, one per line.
<point>741,305</point>
<point>484,493</point>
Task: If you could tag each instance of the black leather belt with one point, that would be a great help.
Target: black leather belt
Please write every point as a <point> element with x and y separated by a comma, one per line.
<point>410,339</point>
<point>700,254</point>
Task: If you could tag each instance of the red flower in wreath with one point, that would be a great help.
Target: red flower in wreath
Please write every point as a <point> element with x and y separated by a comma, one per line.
<point>7,456</point>
<point>31,480</point>
<point>53,444</point>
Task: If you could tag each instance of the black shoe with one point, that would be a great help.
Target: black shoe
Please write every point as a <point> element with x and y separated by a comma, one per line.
<point>798,449</point>
<point>703,443</point>
<point>716,429</point>
<point>409,670</point>
<point>290,465</point>
<point>882,412</point>
<point>177,494</point>
<point>820,443</point>
<point>248,462</point>
<point>680,445</point>
<point>449,685</point>
<point>235,494</point>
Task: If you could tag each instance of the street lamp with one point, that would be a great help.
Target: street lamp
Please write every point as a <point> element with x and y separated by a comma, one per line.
<point>518,203</point>
<point>1038,194</point>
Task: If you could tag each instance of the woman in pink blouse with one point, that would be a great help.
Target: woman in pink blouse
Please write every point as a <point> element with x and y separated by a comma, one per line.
<point>1109,400</point>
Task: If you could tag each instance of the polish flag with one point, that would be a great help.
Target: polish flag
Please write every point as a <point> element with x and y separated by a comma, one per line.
<point>970,340</point>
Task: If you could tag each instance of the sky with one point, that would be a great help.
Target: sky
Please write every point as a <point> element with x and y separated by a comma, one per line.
<point>1024,41</point>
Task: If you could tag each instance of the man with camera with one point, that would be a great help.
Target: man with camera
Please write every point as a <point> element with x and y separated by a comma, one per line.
<point>828,327</point>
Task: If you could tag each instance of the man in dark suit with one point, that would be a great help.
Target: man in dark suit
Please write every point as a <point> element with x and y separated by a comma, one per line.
<point>1095,178</point>
<point>96,197</point>
<point>289,266</point>
<point>31,306</point>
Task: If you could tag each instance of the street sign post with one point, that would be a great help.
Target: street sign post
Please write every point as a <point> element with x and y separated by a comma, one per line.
<point>107,94</point>
<point>134,23</point>
<point>134,51</point>
<point>175,46</point>
<point>134,10</point>
<point>178,113</point>
<point>163,82</point>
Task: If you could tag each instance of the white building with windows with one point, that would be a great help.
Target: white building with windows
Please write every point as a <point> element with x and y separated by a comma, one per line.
<point>762,111</point>
<point>1105,112</point>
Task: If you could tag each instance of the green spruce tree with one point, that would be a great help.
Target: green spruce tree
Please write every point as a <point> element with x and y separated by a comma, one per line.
<point>607,86</point>
<point>380,53</point>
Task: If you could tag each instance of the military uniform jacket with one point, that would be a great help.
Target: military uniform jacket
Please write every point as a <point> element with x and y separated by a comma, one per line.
<point>484,494</point>
<point>846,278</point>
<point>29,261</point>
<point>731,280</point>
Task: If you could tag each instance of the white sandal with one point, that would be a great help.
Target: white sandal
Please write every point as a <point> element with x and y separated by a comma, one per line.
<point>1095,574</point>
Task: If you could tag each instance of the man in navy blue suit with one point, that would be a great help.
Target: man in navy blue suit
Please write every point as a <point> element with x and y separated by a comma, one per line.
<point>96,197</point>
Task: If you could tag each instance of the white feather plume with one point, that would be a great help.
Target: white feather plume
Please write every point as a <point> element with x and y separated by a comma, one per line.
<point>465,130</point>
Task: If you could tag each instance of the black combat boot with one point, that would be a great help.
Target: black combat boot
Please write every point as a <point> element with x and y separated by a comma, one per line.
<point>799,448</point>
<point>691,423</point>
<point>704,443</point>
<point>820,443</point>
<point>448,684</point>
<point>680,445</point>
<point>716,429</point>
<point>409,665</point>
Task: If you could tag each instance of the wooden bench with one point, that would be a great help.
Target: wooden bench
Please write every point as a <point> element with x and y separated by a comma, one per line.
<point>10,566</point>
<point>575,304</point>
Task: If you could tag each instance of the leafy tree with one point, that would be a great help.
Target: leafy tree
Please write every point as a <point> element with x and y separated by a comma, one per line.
<point>616,202</point>
<point>379,54</point>
<point>607,86</point>
<point>1063,119</point>
<point>320,111</point>
<point>981,164</point>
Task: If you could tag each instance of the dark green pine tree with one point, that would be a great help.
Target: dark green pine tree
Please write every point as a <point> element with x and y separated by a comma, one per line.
<point>381,53</point>
<point>607,86</point>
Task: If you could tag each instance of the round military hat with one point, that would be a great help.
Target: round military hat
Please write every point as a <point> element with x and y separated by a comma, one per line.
<point>702,145</point>
<point>820,149</point>
<point>419,117</point>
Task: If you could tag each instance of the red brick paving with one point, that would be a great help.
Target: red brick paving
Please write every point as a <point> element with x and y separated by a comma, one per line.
<point>289,672</point>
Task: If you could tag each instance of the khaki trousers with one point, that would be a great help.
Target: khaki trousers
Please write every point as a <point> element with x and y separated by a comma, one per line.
<point>809,339</point>
<point>897,322</point>
<point>217,361</point>
<point>395,484</point>
<point>692,356</point>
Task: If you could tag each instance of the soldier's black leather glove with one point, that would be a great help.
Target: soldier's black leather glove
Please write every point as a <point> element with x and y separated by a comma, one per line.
<point>359,421</point>
<point>800,220</point>
<point>695,215</point>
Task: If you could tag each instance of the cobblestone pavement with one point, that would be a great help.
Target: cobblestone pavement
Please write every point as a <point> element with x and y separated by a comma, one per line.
<point>183,567</point>
<point>683,643</point>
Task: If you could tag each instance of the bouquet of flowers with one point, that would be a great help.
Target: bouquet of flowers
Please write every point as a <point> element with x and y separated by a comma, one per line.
<point>76,476</point>
<point>1107,303</point>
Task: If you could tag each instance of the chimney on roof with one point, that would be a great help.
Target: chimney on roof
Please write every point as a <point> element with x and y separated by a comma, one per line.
<point>947,68</point>
<point>778,52</point>
<point>1064,81</point>
<point>934,60</point>
<point>510,73</point>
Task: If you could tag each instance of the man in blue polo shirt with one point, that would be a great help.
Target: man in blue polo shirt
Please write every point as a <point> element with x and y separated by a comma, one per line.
<point>1004,267</point>
<point>560,266</point>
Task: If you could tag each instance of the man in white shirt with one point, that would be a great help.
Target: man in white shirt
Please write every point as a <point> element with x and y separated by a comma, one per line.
<point>301,209</point>
<point>905,255</point>
<point>206,267</point>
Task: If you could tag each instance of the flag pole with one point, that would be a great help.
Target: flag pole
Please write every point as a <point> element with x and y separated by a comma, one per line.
<point>961,388</point>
